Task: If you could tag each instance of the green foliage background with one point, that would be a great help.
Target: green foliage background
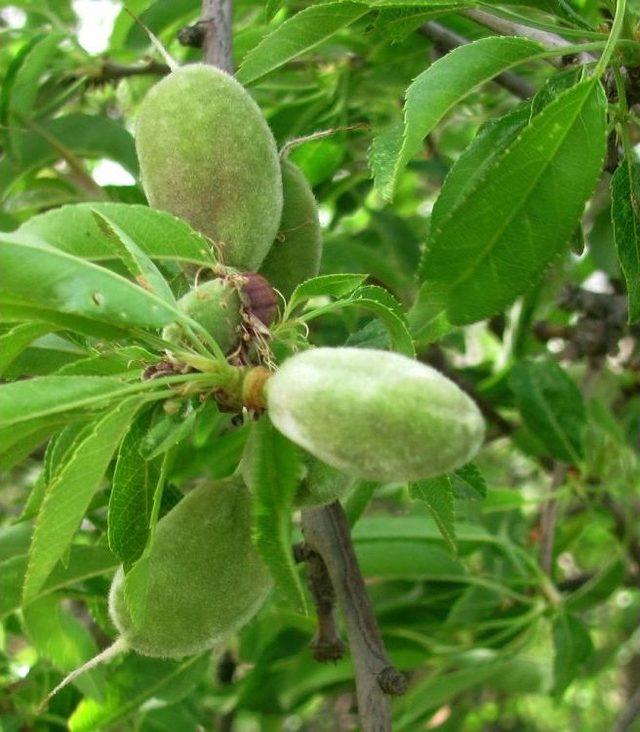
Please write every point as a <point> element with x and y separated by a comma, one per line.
<point>467,215</point>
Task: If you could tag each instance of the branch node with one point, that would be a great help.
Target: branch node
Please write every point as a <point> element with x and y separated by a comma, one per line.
<point>392,681</point>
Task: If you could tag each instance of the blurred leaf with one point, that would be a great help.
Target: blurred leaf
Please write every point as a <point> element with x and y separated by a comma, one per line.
<point>573,647</point>
<point>134,681</point>
<point>83,563</point>
<point>551,406</point>
<point>625,201</point>
<point>62,639</point>
<point>83,135</point>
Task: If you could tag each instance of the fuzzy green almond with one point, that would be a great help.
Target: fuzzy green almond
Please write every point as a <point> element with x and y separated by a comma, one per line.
<point>208,156</point>
<point>206,579</point>
<point>375,415</point>
<point>296,252</point>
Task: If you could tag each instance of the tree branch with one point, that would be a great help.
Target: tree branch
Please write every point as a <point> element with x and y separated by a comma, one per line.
<point>510,28</point>
<point>629,713</point>
<point>326,531</point>
<point>326,644</point>
<point>215,22</point>
<point>446,40</point>
<point>112,71</point>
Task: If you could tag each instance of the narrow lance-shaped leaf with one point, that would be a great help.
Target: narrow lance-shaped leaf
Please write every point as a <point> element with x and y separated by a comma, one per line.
<point>274,473</point>
<point>297,35</point>
<point>70,492</point>
<point>161,236</point>
<point>37,274</point>
<point>132,488</point>
<point>437,493</point>
<point>333,285</point>
<point>144,271</point>
<point>551,406</point>
<point>625,205</point>
<point>44,396</point>
<point>14,341</point>
<point>436,91</point>
<point>521,213</point>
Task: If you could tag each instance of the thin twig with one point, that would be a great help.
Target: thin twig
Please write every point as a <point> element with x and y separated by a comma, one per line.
<point>112,71</point>
<point>215,21</point>
<point>549,516</point>
<point>326,644</point>
<point>510,28</point>
<point>629,714</point>
<point>326,531</point>
<point>446,40</point>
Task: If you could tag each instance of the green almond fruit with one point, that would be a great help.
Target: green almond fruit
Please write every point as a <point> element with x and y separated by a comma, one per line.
<point>207,155</point>
<point>296,252</point>
<point>205,577</point>
<point>217,306</point>
<point>375,415</point>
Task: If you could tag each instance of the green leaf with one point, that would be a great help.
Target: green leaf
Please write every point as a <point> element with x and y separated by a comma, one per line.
<point>14,454</point>
<point>297,35</point>
<point>74,286</point>
<point>385,307</point>
<point>14,341</point>
<point>142,269</point>
<point>468,482</point>
<point>84,562</point>
<point>521,213</point>
<point>489,144</point>
<point>133,682</point>
<point>31,399</point>
<point>21,82</point>
<point>625,201</point>
<point>70,491</point>
<point>132,490</point>
<point>573,647</point>
<point>436,91</point>
<point>168,431</point>
<point>14,313</point>
<point>333,285</point>
<point>437,493</point>
<point>552,407</point>
<point>274,475</point>
<point>73,229</point>
<point>83,135</point>
<point>58,636</point>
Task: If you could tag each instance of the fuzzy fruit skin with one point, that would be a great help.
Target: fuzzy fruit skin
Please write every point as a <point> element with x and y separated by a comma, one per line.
<point>322,484</point>
<point>208,156</point>
<point>296,252</point>
<point>374,414</point>
<point>206,579</point>
<point>216,305</point>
